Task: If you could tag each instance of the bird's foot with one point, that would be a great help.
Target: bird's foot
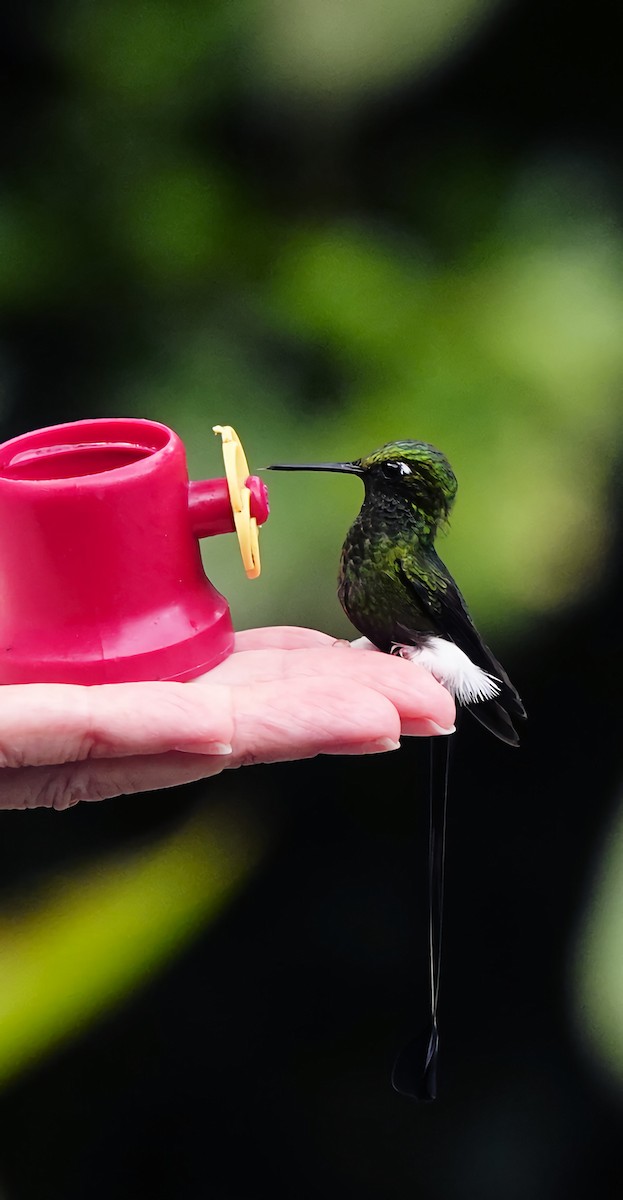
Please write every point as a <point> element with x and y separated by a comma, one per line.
<point>364,643</point>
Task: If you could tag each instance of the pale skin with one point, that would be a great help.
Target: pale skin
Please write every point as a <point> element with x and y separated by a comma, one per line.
<point>285,693</point>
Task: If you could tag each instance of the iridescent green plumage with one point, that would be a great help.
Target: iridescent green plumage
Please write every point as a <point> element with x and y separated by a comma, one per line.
<point>392,584</point>
<point>397,592</point>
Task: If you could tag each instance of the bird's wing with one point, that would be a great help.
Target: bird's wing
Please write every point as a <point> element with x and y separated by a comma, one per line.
<point>434,590</point>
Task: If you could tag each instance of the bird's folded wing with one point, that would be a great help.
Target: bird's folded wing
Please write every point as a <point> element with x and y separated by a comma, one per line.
<point>434,589</point>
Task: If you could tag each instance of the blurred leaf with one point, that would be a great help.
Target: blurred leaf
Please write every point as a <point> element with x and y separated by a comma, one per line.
<point>150,53</point>
<point>598,967</point>
<point>32,250</point>
<point>173,219</point>
<point>328,50</point>
<point>92,937</point>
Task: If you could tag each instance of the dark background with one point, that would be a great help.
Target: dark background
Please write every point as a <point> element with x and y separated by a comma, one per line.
<point>257,1061</point>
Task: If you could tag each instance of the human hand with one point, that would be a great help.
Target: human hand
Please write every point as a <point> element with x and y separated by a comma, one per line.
<point>285,693</point>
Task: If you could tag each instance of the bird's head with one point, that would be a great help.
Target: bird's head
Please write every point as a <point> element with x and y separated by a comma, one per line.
<point>415,471</point>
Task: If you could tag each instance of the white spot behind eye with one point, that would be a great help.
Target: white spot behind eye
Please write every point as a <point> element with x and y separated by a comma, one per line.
<point>398,466</point>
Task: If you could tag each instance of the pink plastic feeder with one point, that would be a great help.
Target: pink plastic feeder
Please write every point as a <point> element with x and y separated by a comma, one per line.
<point>101,578</point>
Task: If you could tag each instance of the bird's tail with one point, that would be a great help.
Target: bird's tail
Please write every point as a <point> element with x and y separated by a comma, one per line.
<point>415,1069</point>
<point>494,717</point>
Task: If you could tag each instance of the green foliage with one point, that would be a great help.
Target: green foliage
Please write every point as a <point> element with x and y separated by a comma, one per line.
<point>329,53</point>
<point>509,359</point>
<point>598,1011</point>
<point>479,306</point>
<point>91,937</point>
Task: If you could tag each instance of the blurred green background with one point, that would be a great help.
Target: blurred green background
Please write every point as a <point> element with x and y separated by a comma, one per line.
<point>331,225</point>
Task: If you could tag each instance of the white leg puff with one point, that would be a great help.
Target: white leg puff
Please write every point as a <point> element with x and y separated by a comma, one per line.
<point>451,667</point>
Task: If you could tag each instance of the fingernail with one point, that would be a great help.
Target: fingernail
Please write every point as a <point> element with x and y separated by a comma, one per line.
<point>378,746</point>
<point>381,745</point>
<point>205,748</point>
<point>441,729</point>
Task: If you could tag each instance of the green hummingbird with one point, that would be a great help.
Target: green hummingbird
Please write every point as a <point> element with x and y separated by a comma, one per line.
<point>398,593</point>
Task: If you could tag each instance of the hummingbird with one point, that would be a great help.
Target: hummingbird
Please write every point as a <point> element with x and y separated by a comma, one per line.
<point>400,596</point>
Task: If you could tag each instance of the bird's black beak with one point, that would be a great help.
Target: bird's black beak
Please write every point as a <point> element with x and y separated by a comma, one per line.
<point>347,468</point>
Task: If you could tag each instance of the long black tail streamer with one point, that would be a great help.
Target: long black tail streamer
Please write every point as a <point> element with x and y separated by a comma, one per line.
<point>415,1069</point>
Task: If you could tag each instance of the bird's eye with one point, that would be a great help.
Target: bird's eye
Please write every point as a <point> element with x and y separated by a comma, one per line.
<point>393,468</point>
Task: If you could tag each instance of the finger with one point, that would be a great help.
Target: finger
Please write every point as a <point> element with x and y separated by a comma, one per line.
<point>282,637</point>
<point>271,724</point>
<point>63,785</point>
<point>55,723</point>
<point>413,690</point>
<point>310,716</point>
